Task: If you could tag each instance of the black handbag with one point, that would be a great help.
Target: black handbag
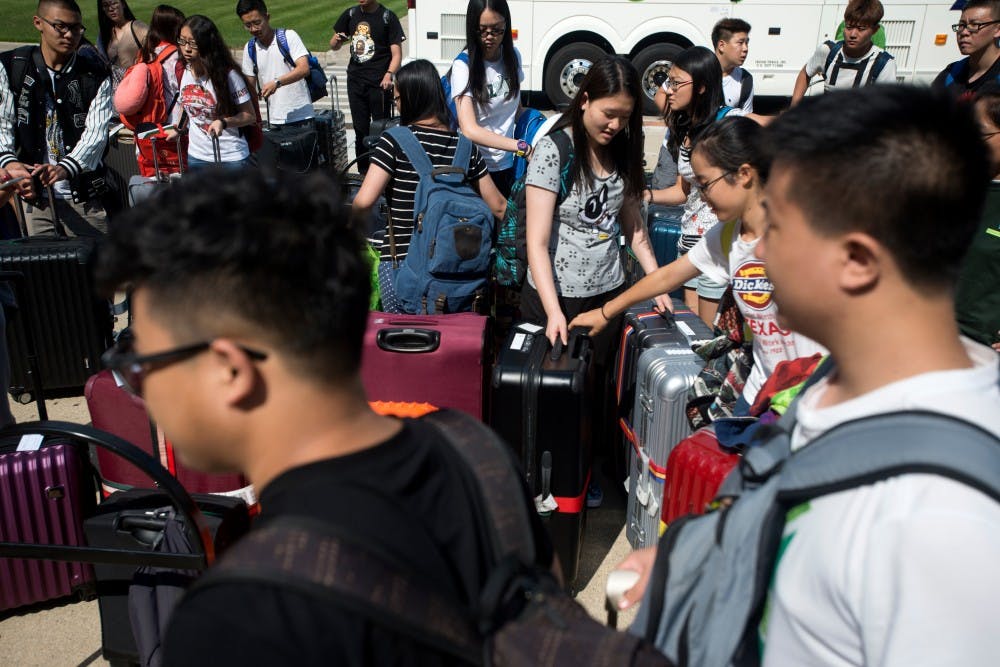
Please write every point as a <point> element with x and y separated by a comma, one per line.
<point>293,148</point>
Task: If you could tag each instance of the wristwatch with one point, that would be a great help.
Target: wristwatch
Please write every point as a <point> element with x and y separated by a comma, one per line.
<point>277,83</point>
<point>522,148</point>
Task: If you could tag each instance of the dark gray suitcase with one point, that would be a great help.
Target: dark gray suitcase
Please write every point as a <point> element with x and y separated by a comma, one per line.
<point>70,324</point>
<point>332,133</point>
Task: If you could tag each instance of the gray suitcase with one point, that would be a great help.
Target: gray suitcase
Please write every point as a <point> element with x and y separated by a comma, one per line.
<point>663,377</point>
<point>332,132</point>
<point>142,187</point>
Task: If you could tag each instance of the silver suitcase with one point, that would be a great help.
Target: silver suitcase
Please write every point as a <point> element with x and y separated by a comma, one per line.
<point>663,377</point>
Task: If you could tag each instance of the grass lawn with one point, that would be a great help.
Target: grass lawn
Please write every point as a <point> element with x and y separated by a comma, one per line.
<point>311,19</point>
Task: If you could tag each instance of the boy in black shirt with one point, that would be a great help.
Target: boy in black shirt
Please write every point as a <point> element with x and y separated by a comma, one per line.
<point>250,299</point>
<point>376,39</point>
<point>978,36</point>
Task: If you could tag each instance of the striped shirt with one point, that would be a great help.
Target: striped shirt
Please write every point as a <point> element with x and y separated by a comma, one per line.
<point>402,188</point>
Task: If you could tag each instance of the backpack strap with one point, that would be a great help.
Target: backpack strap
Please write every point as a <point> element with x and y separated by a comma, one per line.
<point>835,48</point>
<point>567,153</point>
<point>317,560</point>
<point>868,450</point>
<point>286,53</point>
<point>252,52</point>
<point>746,88</point>
<point>722,112</point>
<point>416,154</point>
<point>881,60</point>
<point>955,70</point>
<point>131,27</point>
<point>727,237</point>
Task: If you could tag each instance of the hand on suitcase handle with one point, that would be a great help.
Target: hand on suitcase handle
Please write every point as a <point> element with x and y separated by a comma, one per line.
<point>640,561</point>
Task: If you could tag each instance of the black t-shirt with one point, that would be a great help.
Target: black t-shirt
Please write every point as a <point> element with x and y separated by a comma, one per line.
<point>977,293</point>
<point>958,82</point>
<point>369,36</point>
<point>403,497</point>
<point>440,146</point>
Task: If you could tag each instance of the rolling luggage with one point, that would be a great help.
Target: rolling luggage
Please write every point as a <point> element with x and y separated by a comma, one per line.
<point>332,133</point>
<point>437,359</point>
<point>663,376</point>
<point>695,471</point>
<point>542,405</point>
<point>45,493</point>
<point>30,541</point>
<point>135,519</point>
<point>664,225</point>
<point>142,187</point>
<point>71,326</point>
<point>293,148</point>
<point>117,411</point>
<point>121,163</point>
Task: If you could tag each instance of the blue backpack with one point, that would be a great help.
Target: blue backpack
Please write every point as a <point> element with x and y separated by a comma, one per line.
<point>316,81</point>
<point>527,125</point>
<point>446,266</point>
<point>446,86</point>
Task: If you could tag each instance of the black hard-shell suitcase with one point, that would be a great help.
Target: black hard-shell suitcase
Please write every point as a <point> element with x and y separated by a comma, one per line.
<point>332,132</point>
<point>134,519</point>
<point>71,325</point>
<point>542,402</point>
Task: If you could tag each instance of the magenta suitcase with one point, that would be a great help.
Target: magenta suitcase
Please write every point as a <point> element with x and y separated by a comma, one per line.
<point>44,496</point>
<point>116,411</point>
<point>436,359</point>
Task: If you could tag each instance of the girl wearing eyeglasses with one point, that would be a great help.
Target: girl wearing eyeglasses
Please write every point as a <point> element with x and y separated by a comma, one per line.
<point>486,86</point>
<point>694,100</point>
<point>728,166</point>
<point>215,96</point>
<point>121,36</point>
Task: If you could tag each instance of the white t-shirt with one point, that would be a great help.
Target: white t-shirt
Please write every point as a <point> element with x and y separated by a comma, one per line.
<point>290,103</point>
<point>753,290</point>
<point>901,572</point>
<point>847,72</point>
<point>199,100</point>
<point>500,115</point>
<point>732,89</point>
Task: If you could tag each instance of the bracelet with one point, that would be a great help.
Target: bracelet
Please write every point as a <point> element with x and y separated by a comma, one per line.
<point>650,191</point>
<point>606,318</point>
<point>224,123</point>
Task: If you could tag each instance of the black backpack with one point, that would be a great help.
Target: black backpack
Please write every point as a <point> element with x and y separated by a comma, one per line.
<point>524,617</point>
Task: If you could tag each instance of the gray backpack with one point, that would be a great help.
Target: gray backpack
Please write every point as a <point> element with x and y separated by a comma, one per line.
<point>709,586</point>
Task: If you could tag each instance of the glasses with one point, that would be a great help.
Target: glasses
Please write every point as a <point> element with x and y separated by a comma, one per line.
<point>133,368</point>
<point>63,28</point>
<point>703,189</point>
<point>973,28</point>
<point>674,84</point>
<point>496,30</point>
<point>250,25</point>
<point>189,43</point>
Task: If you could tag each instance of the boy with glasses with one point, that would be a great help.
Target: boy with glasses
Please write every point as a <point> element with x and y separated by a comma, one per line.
<point>854,61</point>
<point>250,300</point>
<point>54,111</point>
<point>978,35</point>
<point>376,39</point>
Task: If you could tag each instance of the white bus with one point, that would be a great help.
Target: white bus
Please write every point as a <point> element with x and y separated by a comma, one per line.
<point>558,39</point>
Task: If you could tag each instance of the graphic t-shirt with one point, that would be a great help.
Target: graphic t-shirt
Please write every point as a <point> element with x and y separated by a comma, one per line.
<point>583,245</point>
<point>290,103</point>
<point>200,101</point>
<point>440,146</point>
<point>500,115</point>
<point>752,289</point>
<point>369,36</point>
<point>900,572</point>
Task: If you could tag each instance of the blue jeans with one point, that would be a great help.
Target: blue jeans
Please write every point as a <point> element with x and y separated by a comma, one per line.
<point>195,164</point>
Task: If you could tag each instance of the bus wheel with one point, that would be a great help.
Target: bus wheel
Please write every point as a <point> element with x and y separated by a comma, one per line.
<point>653,64</point>
<point>566,70</point>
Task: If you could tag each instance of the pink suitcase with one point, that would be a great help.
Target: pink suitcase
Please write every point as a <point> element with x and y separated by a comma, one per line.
<point>696,469</point>
<point>116,411</point>
<point>436,359</point>
<point>44,496</point>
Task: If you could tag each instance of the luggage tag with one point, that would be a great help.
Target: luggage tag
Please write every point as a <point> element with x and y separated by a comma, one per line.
<point>30,442</point>
<point>653,508</point>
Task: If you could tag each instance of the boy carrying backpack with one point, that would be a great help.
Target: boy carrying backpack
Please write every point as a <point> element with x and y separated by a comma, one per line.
<point>861,526</point>
<point>854,61</point>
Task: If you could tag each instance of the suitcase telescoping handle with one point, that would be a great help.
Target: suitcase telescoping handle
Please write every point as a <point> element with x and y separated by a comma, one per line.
<point>215,150</point>
<point>82,436</point>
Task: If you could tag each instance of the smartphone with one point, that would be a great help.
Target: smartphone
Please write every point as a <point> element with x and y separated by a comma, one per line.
<point>14,181</point>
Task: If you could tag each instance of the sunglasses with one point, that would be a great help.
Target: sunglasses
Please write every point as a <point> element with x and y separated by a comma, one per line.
<point>131,368</point>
